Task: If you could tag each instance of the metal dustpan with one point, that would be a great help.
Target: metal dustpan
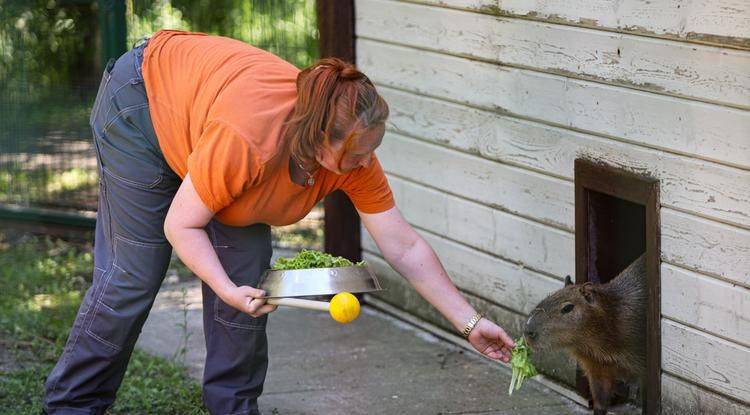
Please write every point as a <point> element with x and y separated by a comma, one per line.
<point>318,281</point>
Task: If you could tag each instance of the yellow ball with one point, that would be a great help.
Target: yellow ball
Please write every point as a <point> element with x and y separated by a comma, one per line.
<point>344,307</point>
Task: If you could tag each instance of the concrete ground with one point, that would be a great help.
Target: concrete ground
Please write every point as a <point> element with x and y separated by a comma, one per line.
<point>375,365</point>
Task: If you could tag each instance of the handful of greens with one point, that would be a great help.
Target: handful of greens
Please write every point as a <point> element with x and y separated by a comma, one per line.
<point>520,362</point>
<point>308,258</point>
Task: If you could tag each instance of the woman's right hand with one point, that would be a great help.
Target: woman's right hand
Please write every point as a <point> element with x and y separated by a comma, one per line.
<point>184,228</point>
<point>248,300</point>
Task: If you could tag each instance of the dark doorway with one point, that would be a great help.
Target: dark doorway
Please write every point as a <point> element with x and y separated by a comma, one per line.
<point>616,235</point>
<point>617,220</point>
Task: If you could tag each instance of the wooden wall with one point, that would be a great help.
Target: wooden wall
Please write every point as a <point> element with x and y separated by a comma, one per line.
<point>491,102</point>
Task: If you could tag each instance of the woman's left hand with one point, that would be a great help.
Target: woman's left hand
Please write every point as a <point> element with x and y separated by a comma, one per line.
<point>491,340</point>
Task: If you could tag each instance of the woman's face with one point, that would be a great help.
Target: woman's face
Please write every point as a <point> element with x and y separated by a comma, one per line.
<point>341,160</point>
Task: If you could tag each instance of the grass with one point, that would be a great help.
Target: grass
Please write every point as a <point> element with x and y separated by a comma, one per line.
<point>42,282</point>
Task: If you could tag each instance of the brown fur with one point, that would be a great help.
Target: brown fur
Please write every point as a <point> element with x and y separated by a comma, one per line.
<point>601,325</point>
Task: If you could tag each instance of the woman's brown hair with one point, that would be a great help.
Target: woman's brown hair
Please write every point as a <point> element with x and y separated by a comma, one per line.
<point>335,101</point>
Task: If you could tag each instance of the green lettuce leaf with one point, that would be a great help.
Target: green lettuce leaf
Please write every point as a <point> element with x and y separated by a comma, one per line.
<point>520,363</point>
<point>308,258</point>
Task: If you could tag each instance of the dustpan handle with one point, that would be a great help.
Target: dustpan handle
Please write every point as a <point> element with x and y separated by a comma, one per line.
<point>300,303</point>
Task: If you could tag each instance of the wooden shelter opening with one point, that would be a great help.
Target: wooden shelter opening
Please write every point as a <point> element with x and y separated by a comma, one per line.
<point>617,220</point>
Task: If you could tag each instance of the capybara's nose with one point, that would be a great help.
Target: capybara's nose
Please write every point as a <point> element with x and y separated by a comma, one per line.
<point>530,334</point>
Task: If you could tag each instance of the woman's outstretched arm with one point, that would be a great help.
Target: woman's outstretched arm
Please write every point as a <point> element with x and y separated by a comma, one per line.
<point>409,254</point>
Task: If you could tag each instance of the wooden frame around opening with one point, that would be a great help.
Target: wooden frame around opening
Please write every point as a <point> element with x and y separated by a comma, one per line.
<point>336,28</point>
<point>597,177</point>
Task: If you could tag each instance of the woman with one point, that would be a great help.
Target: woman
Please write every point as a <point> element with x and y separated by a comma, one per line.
<point>202,143</point>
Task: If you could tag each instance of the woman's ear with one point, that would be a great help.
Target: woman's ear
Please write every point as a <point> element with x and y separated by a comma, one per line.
<point>325,144</point>
<point>320,154</point>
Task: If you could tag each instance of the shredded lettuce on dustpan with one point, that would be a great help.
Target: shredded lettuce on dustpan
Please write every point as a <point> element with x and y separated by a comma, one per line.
<point>520,363</point>
<point>308,258</point>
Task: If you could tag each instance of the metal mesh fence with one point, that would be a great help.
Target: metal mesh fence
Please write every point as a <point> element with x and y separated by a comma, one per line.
<point>47,73</point>
<point>50,66</point>
<point>286,28</point>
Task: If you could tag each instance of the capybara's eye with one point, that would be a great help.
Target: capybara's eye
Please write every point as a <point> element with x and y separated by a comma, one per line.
<point>567,308</point>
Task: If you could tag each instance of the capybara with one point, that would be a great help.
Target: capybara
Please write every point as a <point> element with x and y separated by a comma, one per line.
<point>601,325</point>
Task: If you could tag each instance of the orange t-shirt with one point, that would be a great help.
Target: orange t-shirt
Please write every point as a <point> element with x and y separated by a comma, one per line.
<point>218,107</point>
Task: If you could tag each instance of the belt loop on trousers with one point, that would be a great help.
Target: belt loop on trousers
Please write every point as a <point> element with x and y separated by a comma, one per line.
<point>138,48</point>
<point>141,42</point>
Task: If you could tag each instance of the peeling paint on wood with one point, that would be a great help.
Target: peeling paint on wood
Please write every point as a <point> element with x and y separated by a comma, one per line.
<point>527,243</point>
<point>683,398</point>
<point>699,72</point>
<point>513,286</point>
<point>481,180</point>
<point>716,22</point>
<point>721,252</point>
<point>711,362</point>
<point>686,183</point>
<point>717,307</point>
<point>706,131</point>
<point>725,252</point>
<point>706,246</point>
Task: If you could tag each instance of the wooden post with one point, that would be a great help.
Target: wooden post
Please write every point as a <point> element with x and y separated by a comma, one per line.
<point>112,28</point>
<point>336,27</point>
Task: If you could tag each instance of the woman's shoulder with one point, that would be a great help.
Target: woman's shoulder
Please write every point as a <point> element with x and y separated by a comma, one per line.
<point>257,109</point>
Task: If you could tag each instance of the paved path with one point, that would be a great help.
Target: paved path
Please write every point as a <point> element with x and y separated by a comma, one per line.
<point>376,365</point>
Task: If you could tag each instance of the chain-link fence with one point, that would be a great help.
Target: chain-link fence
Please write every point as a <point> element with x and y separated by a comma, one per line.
<point>286,28</point>
<point>50,64</point>
<point>47,73</point>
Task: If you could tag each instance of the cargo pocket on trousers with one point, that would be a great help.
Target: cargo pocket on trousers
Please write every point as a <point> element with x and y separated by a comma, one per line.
<point>233,318</point>
<point>128,292</point>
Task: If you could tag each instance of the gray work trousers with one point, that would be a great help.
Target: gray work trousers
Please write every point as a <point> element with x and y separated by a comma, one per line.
<point>131,256</point>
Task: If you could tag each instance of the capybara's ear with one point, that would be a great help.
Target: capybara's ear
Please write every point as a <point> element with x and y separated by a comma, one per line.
<point>568,281</point>
<point>588,290</point>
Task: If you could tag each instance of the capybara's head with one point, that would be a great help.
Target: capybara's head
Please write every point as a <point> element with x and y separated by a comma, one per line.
<point>565,318</point>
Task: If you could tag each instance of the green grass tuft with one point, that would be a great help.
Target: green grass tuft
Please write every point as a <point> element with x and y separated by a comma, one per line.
<point>42,282</point>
